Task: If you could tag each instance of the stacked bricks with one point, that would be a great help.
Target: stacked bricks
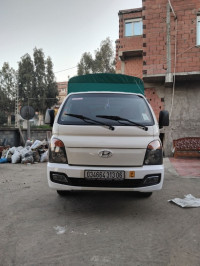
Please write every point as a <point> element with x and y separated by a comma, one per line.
<point>155,36</point>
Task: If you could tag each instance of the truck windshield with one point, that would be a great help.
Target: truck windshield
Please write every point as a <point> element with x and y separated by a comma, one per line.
<point>129,106</point>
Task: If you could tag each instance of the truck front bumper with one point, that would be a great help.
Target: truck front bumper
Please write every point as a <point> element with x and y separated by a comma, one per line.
<point>67,177</point>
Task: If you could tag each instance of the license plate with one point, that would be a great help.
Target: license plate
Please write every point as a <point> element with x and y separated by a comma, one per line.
<point>104,175</point>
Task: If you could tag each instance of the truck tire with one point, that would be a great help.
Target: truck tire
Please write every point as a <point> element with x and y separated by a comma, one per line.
<point>146,194</point>
<point>62,193</point>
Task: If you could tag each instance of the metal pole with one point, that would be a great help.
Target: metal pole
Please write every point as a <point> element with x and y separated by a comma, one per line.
<point>167,78</point>
<point>28,125</point>
<point>16,106</point>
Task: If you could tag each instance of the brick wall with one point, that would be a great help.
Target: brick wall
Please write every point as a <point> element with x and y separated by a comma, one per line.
<point>155,101</point>
<point>132,42</point>
<point>155,36</point>
<point>153,41</point>
<point>133,65</point>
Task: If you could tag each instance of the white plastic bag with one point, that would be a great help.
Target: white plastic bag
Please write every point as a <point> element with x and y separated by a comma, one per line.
<point>12,150</point>
<point>28,158</point>
<point>24,151</point>
<point>19,148</point>
<point>16,157</point>
<point>188,202</point>
<point>28,143</point>
<point>36,144</point>
<point>44,157</point>
<point>26,155</point>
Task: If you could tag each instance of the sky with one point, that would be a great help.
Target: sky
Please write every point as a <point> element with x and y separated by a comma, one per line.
<point>64,29</point>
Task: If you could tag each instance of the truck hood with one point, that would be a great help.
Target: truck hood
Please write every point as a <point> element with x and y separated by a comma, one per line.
<point>85,144</point>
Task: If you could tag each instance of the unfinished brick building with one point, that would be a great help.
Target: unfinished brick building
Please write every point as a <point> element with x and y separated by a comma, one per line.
<point>129,45</point>
<point>62,90</point>
<point>165,53</point>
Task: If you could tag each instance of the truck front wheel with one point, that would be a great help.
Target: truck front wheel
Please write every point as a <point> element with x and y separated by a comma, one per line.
<point>62,193</point>
<point>146,194</point>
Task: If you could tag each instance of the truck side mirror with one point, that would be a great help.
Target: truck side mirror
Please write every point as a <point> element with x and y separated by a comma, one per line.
<point>49,117</point>
<point>163,118</point>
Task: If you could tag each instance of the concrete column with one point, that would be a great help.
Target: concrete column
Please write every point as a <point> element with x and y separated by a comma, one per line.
<point>168,77</point>
<point>9,120</point>
<point>122,67</point>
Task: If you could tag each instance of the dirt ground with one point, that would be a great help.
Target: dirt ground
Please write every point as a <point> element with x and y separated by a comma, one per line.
<point>38,227</point>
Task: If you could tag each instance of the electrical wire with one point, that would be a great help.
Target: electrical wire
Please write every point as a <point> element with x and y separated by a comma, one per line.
<point>172,9</point>
<point>65,69</point>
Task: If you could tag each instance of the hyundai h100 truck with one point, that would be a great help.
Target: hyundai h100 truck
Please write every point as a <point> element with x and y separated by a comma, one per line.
<point>105,136</point>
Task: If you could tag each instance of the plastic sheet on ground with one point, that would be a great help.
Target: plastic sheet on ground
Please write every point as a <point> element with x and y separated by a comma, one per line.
<point>188,202</point>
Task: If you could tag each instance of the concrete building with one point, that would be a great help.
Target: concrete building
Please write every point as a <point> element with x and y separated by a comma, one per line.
<point>166,54</point>
<point>62,90</point>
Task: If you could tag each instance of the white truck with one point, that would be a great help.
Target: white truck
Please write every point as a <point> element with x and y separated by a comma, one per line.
<point>105,136</point>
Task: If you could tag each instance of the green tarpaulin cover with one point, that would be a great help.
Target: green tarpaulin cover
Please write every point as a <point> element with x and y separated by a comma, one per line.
<point>106,82</point>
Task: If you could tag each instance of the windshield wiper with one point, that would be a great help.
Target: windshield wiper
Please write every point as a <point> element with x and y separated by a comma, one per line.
<point>118,118</point>
<point>87,119</point>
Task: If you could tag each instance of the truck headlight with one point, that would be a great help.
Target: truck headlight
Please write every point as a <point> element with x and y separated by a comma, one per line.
<point>154,154</point>
<point>57,153</point>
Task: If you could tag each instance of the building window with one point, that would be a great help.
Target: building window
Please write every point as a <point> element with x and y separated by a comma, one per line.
<point>198,30</point>
<point>133,27</point>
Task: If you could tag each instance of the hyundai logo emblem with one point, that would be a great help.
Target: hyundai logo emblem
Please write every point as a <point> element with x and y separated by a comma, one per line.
<point>105,154</point>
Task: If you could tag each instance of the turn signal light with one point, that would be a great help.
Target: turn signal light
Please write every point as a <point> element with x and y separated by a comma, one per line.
<point>154,145</point>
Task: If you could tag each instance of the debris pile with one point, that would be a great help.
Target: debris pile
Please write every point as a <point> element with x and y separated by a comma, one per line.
<point>33,152</point>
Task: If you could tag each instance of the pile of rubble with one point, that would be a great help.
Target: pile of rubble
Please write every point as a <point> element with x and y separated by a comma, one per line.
<point>33,152</point>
